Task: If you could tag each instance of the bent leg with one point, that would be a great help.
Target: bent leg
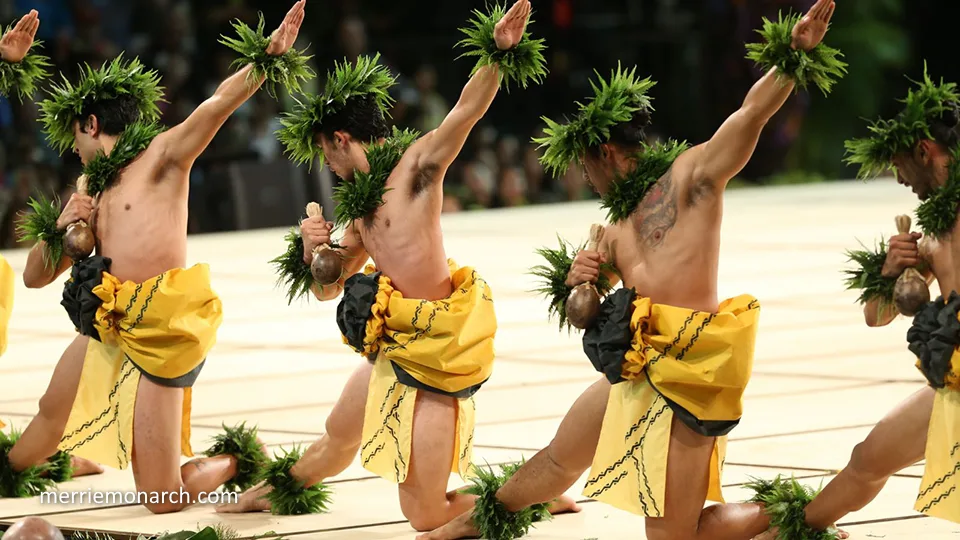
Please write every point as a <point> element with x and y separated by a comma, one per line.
<point>156,452</point>
<point>551,472</point>
<point>897,441</point>
<point>424,499</point>
<point>688,477</point>
<point>39,441</point>
<point>332,453</point>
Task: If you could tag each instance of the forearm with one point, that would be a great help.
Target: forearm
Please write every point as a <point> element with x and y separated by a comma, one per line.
<point>234,92</point>
<point>37,274</point>
<point>766,97</point>
<point>478,94</point>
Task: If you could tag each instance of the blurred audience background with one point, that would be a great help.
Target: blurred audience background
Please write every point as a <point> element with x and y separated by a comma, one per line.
<point>693,48</point>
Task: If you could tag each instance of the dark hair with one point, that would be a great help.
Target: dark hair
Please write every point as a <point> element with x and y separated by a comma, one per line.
<point>944,129</point>
<point>628,135</point>
<point>114,115</point>
<point>360,117</point>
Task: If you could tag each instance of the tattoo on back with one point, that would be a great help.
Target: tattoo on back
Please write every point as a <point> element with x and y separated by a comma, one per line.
<point>656,214</point>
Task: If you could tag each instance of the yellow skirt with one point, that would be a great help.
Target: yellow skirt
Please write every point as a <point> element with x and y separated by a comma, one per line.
<point>442,346</point>
<point>6,300</point>
<point>684,363</point>
<point>940,488</point>
<point>6,305</point>
<point>163,329</point>
<point>388,427</point>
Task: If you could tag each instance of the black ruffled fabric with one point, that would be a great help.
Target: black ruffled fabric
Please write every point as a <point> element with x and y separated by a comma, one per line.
<point>78,298</point>
<point>607,342</point>
<point>934,336</point>
<point>359,295</point>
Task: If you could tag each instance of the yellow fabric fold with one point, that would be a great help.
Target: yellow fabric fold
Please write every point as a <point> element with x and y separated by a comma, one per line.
<point>445,344</point>
<point>940,488</point>
<point>701,362</point>
<point>388,427</point>
<point>164,326</point>
<point>6,300</point>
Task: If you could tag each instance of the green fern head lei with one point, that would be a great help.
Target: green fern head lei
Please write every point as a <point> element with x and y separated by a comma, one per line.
<point>67,101</point>
<point>615,101</point>
<point>367,77</point>
<point>890,137</point>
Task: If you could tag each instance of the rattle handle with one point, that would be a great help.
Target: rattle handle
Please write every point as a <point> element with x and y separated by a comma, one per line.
<point>314,210</point>
<point>82,184</point>
<point>903,224</point>
<point>596,234</point>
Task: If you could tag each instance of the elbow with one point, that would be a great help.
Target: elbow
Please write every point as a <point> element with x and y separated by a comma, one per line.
<point>34,282</point>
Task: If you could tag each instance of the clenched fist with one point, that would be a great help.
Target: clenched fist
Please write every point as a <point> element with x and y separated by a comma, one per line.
<point>315,232</point>
<point>79,208</point>
<point>902,253</point>
<point>585,268</point>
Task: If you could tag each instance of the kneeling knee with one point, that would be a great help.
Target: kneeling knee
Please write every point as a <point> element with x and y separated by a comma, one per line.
<point>866,463</point>
<point>425,521</point>
<point>163,507</point>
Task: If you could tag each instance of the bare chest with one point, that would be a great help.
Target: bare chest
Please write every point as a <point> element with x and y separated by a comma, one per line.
<point>942,255</point>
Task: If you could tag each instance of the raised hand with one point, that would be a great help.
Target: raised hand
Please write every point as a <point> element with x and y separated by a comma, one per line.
<point>509,30</point>
<point>15,44</point>
<point>809,32</point>
<point>286,34</point>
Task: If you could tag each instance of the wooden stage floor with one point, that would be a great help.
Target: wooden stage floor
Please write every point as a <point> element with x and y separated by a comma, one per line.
<point>821,379</point>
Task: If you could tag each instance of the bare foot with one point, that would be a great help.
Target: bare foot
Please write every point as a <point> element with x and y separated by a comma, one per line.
<point>251,500</point>
<point>460,527</point>
<point>564,505</point>
<point>84,467</point>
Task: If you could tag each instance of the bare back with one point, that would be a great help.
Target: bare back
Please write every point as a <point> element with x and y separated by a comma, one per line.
<point>403,237</point>
<point>141,221</point>
<point>669,248</point>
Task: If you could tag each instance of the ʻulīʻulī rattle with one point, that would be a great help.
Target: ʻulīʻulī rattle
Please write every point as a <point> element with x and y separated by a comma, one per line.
<point>78,241</point>
<point>910,293</point>
<point>583,304</point>
<point>327,264</point>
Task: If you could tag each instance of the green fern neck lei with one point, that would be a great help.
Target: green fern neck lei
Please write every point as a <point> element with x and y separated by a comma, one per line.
<point>103,170</point>
<point>628,190</point>
<point>362,196</point>
<point>937,216</point>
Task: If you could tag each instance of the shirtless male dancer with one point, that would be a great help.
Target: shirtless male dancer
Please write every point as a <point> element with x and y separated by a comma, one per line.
<point>124,395</point>
<point>675,374</point>
<point>427,329</point>
<point>922,145</point>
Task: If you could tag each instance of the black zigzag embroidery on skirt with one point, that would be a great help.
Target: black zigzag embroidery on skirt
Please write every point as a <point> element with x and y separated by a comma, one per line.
<point>752,305</point>
<point>629,453</point>
<point>116,388</point>
<point>146,304</point>
<point>374,453</point>
<point>466,447</point>
<point>938,500</point>
<point>696,336</point>
<point>643,465</point>
<point>133,299</point>
<point>668,348</point>
<point>943,478</point>
<point>420,331</point>
<point>391,414</point>
<point>95,434</point>
<point>389,393</point>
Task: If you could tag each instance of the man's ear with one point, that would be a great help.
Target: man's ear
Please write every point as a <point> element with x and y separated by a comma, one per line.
<point>91,126</point>
<point>340,139</point>
<point>606,152</point>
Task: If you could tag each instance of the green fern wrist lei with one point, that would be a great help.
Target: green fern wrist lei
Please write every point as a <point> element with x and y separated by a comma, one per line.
<point>868,276</point>
<point>491,518</point>
<point>242,444</point>
<point>293,274</point>
<point>553,278</point>
<point>820,66</point>
<point>288,70</point>
<point>937,216</point>
<point>362,196</point>
<point>21,77</point>
<point>61,467</point>
<point>103,170</point>
<point>290,496</point>
<point>521,64</point>
<point>26,483</point>
<point>627,191</point>
<point>784,501</point>
<point>40,225</point>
